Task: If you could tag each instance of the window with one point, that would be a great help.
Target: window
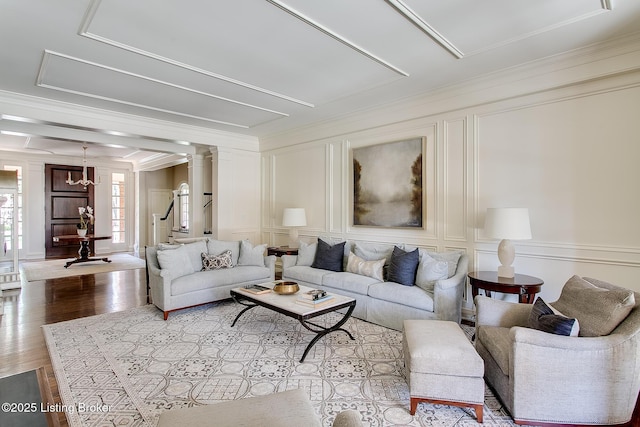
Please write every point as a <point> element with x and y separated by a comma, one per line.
<point>183,197</point>
<point>117,208</point>
<point>19,170</point>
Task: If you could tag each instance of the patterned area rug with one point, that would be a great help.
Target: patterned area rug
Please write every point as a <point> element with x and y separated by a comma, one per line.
<point>126,368</point>
<point>54,269</point>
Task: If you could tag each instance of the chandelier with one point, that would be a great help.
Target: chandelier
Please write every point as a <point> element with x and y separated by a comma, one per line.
<point>84,181</point>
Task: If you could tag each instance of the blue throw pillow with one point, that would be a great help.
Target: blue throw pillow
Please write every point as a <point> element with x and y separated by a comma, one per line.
<point>329,257</point>
<point>544,319</point>
<point>403,266</point>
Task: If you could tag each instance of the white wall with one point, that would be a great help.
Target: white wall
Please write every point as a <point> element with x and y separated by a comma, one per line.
<point>569,153</point>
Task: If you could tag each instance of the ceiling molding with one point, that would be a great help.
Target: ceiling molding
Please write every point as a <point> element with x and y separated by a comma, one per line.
<point>84,32</point>
<point>419,22</point>
<point>293,12</point>
<point>43,70</point>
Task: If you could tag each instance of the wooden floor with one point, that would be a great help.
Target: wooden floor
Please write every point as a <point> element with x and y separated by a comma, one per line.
<point>22,345</point>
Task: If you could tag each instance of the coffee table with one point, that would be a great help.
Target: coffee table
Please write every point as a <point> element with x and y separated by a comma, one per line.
<point>287,305</point>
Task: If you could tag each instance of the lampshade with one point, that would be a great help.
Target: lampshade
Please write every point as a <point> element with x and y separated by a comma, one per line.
<point>294,217</point>
<point>507,223</point>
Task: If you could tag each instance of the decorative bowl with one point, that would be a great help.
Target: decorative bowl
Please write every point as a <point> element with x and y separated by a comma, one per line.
<point>286,288</point>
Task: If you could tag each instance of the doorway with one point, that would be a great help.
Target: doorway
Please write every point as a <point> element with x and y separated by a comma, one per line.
<point>61,208</point>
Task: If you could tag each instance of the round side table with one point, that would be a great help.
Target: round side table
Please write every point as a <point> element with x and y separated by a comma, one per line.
<point>525,286</point>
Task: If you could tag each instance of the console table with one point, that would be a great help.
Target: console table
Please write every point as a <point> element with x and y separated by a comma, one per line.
<point>84,247</point>
<point>525,286</point>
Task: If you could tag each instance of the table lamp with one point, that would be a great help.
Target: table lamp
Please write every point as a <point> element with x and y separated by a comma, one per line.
<point>507,224</point>
<point>294,217</point>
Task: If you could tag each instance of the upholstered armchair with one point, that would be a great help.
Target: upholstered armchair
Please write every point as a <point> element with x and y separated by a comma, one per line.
<point>545,378</point>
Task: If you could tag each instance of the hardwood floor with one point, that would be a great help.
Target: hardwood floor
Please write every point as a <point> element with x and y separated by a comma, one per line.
<point>22,344</point>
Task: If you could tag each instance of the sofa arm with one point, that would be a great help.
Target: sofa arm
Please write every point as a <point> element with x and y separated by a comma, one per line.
<point>603,371</point>
<point>159,284</point>
<point>288,261</point>
<point>493,312</point>
<point>270,263</point>
<point>448,293</point>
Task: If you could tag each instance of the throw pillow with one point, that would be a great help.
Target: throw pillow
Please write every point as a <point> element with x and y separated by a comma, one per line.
<point>175,262</point>
<point>403,266</point>
<point>306,253</point>
<point>216,262</point>
<point>373,269</point>
<point>599,310</point>
<point>544,318</point>
<point>329,257</point>
<point>250,255</point>
<point>430,271</point>
<point>451,258</point>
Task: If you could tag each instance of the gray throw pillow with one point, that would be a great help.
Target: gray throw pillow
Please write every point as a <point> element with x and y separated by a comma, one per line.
<point>175,262</point>
<point>599,310</point>
<point>250,255</point>
<point>430,271</point>
<point>544,318</point>
<point>329,257</point>
<point>306,254</point>
<point>403,266</point>
<point>215,247</point>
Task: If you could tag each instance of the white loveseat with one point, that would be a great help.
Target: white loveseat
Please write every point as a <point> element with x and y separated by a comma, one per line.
<point>436,291</point>
<point>204,271</point>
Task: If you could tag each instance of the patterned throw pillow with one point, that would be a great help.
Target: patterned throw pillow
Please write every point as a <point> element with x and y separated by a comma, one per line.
<point>544,318</point>
<point>216,262</point>
<point>373,269</point>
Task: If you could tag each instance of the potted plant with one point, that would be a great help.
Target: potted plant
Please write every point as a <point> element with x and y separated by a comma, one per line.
<point>86,218</point>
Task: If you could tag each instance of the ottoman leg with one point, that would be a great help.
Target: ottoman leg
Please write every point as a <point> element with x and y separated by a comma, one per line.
<point>478,408</point>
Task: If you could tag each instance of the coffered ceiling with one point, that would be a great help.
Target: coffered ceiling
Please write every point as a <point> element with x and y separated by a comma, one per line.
<point>260,67</point>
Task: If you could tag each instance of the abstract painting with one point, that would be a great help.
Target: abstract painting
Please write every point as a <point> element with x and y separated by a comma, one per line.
<point>387,184</point>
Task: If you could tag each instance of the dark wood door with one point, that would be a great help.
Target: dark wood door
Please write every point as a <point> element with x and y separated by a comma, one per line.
<point>61,208</point>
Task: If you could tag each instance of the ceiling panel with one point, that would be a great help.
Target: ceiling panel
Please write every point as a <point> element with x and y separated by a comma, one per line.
<point>96,80</point>
<point>238,42</point>
<point>473,25</point>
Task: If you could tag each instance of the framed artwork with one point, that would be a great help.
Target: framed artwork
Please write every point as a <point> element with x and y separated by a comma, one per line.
<point>388,184</point>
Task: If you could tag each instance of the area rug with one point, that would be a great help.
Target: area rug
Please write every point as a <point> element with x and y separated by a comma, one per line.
<point>127,368</point>
<point>54,269</point>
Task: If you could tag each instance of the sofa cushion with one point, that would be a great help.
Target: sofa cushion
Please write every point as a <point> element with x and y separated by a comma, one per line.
<point>216,262</point>
<point>373,269</point>
<point>251,255</point>
<point>598,310</point>
<point>544,318</point>
<point>194,249</point>
<point>430,271</point>
<point>306,274</point>
<point>451,258</point>
<point>306,254</point>
<point>329,257</point>
<point>348,281</point>
<point>216,247</point>
<point>175,262</point>
<point>201,280</point>
<point>403,266</point>
<point>373,251</point>
<point>411,296</point>
<point>498,343</point>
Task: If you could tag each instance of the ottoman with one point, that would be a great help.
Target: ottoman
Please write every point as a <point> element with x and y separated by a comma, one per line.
<point>442,366</point>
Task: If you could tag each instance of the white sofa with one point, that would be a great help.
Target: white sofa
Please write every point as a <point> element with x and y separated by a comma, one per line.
<point>177,277</point>
<point>436,293</point>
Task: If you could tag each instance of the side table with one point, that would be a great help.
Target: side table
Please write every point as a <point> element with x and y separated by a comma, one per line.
<point>278,251</point>
<point>525,286</point>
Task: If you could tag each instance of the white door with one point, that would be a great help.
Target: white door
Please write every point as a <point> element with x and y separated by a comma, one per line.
<point>159,202</point>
